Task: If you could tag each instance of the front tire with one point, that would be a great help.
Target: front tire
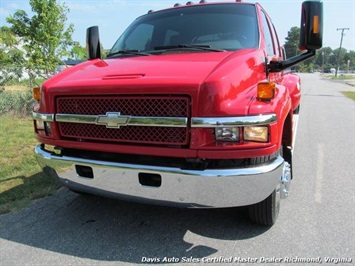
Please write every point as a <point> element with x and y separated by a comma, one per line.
<point>266,211</point>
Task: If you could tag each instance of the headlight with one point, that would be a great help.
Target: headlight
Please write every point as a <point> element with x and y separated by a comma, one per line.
<point>227,134</point>
<point>43,126</point>
<point>47,128</point>
<point>258,133</point>
<point>39,125</point>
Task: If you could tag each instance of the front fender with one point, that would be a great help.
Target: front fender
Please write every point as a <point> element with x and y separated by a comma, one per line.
<point>293,83</point>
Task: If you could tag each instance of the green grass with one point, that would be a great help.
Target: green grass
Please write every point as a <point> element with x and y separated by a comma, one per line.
<point>25,82</point>
<point>349,94</point>
<point>21,179</point>
<point>343,77</point>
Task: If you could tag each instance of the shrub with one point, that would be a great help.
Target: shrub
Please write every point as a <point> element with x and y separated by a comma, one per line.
<point>19,103</point>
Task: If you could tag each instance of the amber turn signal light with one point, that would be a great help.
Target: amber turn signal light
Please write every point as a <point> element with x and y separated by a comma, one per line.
<point>266,91</point>
<point>36,93</point>
<point>315,24</point>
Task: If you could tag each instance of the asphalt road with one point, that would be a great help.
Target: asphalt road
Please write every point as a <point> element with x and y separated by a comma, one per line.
<point>316,223</point>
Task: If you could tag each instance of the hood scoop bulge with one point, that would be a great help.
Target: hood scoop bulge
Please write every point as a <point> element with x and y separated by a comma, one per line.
<point>123,76</point>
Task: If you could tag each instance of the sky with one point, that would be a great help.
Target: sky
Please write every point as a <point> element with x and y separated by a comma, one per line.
<point>113,16</point>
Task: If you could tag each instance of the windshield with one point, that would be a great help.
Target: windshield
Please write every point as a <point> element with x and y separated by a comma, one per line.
<point>218,26</point>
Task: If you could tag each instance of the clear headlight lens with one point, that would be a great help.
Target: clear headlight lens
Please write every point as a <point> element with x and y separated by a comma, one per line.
<point>258,133</point>
<point>227,134</point>
<point>44,126</point>
<point>39,125</point>
<point>47,128</point>
<point>250,133</point>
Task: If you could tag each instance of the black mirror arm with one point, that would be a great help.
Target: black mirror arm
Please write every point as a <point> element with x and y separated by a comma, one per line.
<point>277,66</point>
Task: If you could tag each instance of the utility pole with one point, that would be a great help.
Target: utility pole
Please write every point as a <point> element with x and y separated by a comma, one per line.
<point>341,42</point>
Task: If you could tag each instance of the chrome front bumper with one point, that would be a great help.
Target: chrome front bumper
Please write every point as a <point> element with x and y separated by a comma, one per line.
<point>170,186</point>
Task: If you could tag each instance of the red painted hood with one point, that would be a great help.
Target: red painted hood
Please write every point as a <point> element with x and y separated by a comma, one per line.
<point>186,68</point>
<point>218,83</point>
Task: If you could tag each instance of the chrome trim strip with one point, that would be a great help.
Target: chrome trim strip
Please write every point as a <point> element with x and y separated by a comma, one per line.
<point>118,120</point>
<point>208,122</point>
<point>158,121</point>
<point>43,117</point>
<point>196,122</point>
<point>80,119</point>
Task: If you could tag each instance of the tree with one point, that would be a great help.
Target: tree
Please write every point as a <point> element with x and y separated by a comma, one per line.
<point>77,52</point>
<point>342,60</point>
<point>325,58</point>
<point>292,42</point>
<point>349,58</point>
<point>292,49</point>
<point>43,37</point>
<point>10,56</point>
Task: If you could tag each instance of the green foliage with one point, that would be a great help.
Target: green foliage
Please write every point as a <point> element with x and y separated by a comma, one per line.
<point>77,52</point>
<point>43,37</point>
<point>25,82</point>
<point>292,42</point>
<point>10,56</point>
<point>104,52</point>
<point>19,103</point>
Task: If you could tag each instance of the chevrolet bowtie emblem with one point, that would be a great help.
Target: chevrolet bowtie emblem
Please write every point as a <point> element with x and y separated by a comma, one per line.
<point>112,120</point>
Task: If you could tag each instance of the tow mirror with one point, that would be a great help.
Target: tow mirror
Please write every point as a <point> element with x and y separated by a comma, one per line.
<point>311,30</point>
<point>311,36</point>
<point>93,43</point>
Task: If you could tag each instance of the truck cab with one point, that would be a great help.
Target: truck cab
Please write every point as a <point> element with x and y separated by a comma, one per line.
<point>190,108</point>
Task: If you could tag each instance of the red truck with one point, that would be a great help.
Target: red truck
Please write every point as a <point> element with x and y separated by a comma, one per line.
<point>193,107</point>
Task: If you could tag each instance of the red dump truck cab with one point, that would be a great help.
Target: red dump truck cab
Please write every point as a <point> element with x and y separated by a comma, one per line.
<point>193,106</point>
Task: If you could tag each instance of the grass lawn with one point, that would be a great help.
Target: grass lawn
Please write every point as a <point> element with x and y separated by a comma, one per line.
<point>350,94</point>
<point>21,179</point>
<point>343,77</point>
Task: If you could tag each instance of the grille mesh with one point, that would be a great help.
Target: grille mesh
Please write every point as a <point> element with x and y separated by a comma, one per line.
<point>135,106</point>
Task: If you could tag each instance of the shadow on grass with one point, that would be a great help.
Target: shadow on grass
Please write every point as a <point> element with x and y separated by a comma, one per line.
<point>29,188</point>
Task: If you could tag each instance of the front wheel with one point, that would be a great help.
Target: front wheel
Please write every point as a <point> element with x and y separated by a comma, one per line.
<point>266,211</point>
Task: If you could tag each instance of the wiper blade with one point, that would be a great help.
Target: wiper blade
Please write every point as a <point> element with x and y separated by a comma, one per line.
<point>128,52</point>
<point>189,46</point>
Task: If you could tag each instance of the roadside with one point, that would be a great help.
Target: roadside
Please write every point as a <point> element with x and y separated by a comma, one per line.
<point>345,79</point>
<point>348,79</point>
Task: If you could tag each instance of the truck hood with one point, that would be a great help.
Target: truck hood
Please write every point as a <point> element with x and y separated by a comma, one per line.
<point>187,69</point>
<point>225,80</point>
